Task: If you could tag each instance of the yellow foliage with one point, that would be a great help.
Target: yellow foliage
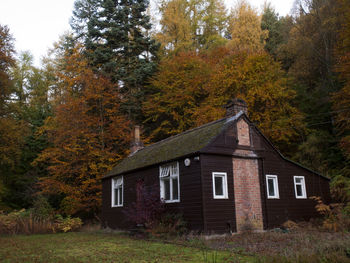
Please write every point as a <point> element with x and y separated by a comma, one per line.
<point>245,29</point>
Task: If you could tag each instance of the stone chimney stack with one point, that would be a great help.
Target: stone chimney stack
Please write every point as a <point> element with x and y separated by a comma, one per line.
<point>235,106</point>
<point>136,143</point>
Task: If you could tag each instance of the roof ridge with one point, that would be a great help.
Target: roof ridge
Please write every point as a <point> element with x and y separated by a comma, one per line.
<point>182,133</point>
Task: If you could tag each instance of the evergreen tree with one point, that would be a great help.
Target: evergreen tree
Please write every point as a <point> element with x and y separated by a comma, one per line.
<point>117,45</point>
<point>270,21</point>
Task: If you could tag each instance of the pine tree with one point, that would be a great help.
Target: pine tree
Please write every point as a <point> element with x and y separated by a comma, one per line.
<point>115,34</point>
<point>270,21</point>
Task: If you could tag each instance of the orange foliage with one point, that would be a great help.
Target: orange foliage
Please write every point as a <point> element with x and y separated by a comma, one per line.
<point>87,133</point>
<point>191,88</point>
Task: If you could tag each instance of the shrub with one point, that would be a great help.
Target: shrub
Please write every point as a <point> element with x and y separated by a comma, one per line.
<point>170,224</point>
<point>27,222</point>
<point>67,224</point>
<point>41,208</point>
<point>23,222</point>
<point>147,209</point>
<point>335,216</point>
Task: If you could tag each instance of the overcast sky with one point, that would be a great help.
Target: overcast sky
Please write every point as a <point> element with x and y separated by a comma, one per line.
<point>37,24</point>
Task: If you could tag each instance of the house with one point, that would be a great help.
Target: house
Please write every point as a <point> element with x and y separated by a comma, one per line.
<point>220,176</point>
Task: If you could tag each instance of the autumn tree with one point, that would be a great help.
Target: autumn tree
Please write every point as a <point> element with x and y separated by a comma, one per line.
<point>341,99</point>
<point>178,90</point>
<point>308,56</point>
<point>245,29</point>
<point>31,99</point>
<point>87,133</point>
<point>176,32</point>
<point>115,37</point>
<point>191,25</point>
<point>12,128</point>
<point>191,90</point>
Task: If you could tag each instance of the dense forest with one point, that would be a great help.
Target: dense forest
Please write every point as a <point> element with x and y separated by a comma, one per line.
<point>65,124</point>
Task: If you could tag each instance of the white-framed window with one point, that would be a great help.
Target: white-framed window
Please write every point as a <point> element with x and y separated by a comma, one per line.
<point>220,185</point>
<point>117,191</point>
<point>299,187</point>
<point>272,186</point>
<point>169,182</point>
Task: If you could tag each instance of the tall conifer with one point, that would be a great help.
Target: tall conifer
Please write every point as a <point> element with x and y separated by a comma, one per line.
<point>115,34</point>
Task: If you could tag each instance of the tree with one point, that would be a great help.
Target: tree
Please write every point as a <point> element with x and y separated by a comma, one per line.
<point>12,128</point>
<point>176,32</point>
<point>270,21</point>
<point>245,29</point>
<point>191,25</point>
<point>191,89</point>
<point>177,91</point>
<point>341,99</point>
<point>30,96</point>
<point>309,57</point>
<point>214,24</point>
<point>87,135</point>
<point>114,35</point>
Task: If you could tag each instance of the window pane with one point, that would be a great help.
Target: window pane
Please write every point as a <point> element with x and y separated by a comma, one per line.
<point>120,196</point>
<point>167,189</point>
<point>115,196</point>
<point>175,189</point>
<point>219,185</point>
<point>271,187</point>
<point>298,180</point>
<point>299,190</point>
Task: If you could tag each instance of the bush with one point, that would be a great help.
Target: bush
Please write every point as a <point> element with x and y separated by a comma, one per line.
<point>42,209</point>
<point>148,208</point>
<point>27,222</point>
<point>67,224</point>
<point>170,224</point>
<point>23,222</point>
<point>336,216</point>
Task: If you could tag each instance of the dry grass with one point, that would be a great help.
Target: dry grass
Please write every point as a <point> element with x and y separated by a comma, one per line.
<point>295,246</point>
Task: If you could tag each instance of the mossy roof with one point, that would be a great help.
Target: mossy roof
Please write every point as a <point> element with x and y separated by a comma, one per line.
<point>185,143</point>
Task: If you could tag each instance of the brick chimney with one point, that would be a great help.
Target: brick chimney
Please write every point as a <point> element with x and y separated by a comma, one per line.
<point>136,143</point>
<point>235,106</point>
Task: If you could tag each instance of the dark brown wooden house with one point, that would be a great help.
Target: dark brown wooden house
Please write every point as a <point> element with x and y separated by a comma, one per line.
<point>220,176</point>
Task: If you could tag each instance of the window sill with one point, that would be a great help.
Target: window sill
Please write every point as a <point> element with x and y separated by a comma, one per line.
<point>273,197</point>
<point>113,206</point>
<point>171,201</point>
<point>220,197</point>
<point>301,197</point>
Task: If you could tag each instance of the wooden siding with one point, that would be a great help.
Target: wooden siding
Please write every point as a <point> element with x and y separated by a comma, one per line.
<point>190,204</point>
<point>287,207</point>
<point>201,210</point>
<point>218,213</point>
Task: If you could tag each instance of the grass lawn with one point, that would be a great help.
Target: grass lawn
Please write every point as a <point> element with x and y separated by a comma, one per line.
<point>300,246</point>
<point>102,247</point>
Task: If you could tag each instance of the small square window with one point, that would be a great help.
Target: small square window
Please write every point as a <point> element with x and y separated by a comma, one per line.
<point>220,185</point>
<point>117,191</point>
<point>299,187</point>
<point>272,186</point>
